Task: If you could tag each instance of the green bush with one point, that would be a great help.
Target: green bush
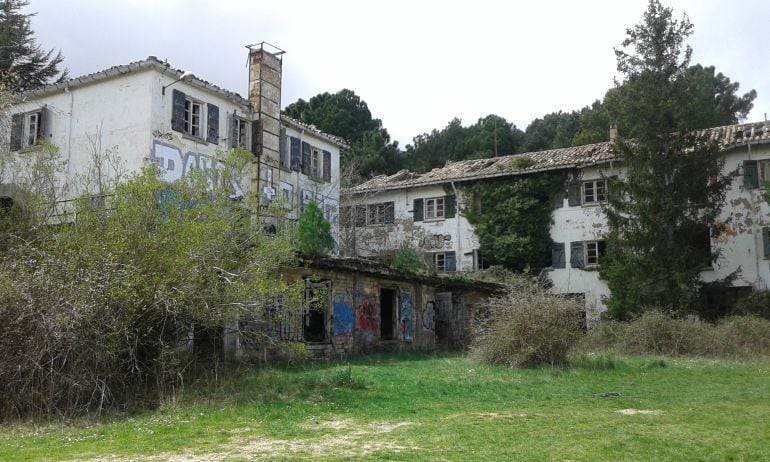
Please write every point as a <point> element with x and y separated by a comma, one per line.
<point>527,327</point>
<point>314,237</point>
<point>408,260</point>
<point>756,303</point>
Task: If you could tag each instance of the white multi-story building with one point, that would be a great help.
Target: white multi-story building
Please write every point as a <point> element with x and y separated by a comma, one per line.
<point>424,211</point>
<point>148,112</point>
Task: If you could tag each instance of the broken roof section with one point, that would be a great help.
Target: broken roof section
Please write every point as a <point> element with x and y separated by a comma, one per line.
<point>163,67</point>
<point>728,137</point>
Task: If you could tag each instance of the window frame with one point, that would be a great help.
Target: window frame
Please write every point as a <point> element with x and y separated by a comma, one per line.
<point>596,253</point>
<point>242,131</point>
<point>442,266</point>
<point>432,208</point>
<point>597,198</point>
<point>31,136</point>
<point>763,173</point>
<point>316,162</point>
<point>188,125</point>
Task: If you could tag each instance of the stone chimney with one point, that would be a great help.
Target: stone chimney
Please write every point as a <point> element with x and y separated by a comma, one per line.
<point>613,133</point>
<point>265,68</point>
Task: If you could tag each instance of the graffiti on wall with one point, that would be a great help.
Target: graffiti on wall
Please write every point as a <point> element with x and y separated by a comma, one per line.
<point>405,316</point>
<point>343,316</point>
<point>436,241</point>
<point>177,165</point>
<point>367,315</point>
<point>428,316</point>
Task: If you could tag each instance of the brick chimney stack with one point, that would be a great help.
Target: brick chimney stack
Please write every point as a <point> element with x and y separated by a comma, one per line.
<point>265,66</point>
<point>613,133</point>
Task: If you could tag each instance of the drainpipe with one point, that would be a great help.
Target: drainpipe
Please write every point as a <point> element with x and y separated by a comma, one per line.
<point>756,231</point>
<point>69,127</point>
<point>459,254</point>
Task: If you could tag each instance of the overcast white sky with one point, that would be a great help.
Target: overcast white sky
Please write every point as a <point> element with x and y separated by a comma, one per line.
<point>416,63</point>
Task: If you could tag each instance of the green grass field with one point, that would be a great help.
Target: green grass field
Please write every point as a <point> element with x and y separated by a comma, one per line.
<point>439,408</point>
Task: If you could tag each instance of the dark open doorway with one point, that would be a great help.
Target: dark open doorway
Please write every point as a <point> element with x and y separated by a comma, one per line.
<point>387,313</point>
<point>317,304</point>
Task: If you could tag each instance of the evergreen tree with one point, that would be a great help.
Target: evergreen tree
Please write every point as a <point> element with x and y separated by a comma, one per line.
<point>24,65</point>
<point>661,216</point>
<point>314,237</point>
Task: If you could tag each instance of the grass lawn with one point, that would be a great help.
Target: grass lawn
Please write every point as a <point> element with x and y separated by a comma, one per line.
<point>440,408</point>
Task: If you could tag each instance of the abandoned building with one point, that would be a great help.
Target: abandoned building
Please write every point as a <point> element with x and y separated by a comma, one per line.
<point>355,306</point>
<point>424,212</point>
<point>148,112</point>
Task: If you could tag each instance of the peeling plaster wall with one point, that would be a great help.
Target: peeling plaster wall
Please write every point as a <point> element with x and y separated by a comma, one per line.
<point>745,213</point>
<point>441,235</point>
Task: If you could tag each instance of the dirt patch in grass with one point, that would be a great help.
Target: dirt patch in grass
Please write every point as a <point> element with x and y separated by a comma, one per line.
<point>349,440</point>
<point>639,411</point>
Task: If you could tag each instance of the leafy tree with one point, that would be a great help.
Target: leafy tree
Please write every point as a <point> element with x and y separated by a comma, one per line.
<point>346,115</point>
<point>555,130</point>
<point>660,216</point>
<point>314,237</point>
<point>24,65</point>
<point>489,136</point>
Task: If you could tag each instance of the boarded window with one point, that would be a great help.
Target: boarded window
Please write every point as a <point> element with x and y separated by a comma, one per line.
<point>451,207</point>
<point>557,255</point>
<point>766,241</point>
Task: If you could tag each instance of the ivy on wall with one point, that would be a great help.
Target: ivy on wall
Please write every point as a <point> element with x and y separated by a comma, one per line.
<point>512,218</point>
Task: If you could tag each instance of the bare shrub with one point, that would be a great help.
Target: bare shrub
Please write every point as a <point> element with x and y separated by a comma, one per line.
<point>527,327</point>
<point>657,333</point>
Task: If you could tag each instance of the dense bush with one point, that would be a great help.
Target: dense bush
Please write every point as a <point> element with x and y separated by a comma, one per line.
<point>97,313</point>
<point>756,303</point>
<point>527,327</point>
<point>656,333</point>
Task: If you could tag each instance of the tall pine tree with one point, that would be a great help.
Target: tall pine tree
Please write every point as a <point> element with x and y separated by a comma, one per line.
<point>24,65</point>
<point>662,215</point>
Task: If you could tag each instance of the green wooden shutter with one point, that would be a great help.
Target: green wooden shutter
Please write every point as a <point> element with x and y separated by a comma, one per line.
<point>576,259</point>
<point>43,124</point>
<point>558,199</point>
<point>327,166</point>
<point>296,154</point>
<point>750,174</point>
<point>766,241</point>
<point>212,124</point>
<point>557,255</point>
<point>573,193</point>
<point>283,148</point>
<point>17,131</point>
<point>256,137</point>
<point>177,111</point>
<point>417,210</point>
<point>450,206</point>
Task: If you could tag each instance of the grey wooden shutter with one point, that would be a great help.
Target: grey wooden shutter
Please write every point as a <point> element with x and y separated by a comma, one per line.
<point>573,193</point>
<point>558,199</point>
<point>177,111</point>
<point>766,241</point>
<point>417,210</point>
<point>750,174</point>
<point>232,129</point>
<point>576,259</point>
<point>17,130</point>
<point>44,124</point>
<point>212,123</point>
<point>450,262</point>
<point>450,207</point>
<point>305,158</point>
<point>296,156</point>
<point>390,217</point>
<point>327,166</point>
<point>256,137</point>
<point>360,218</point>
<point>283,149</point>
<point>557,255</point>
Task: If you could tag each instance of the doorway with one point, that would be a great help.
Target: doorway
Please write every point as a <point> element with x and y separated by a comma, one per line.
<point>317,303</point>
<point>387,313</point>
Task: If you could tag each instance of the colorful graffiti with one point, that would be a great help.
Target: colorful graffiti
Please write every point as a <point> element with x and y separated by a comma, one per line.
<point>428,316</point>
<point>344,319</point>
<point>405,316</point>
<point>176,164</point>
<point>367,315</point>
